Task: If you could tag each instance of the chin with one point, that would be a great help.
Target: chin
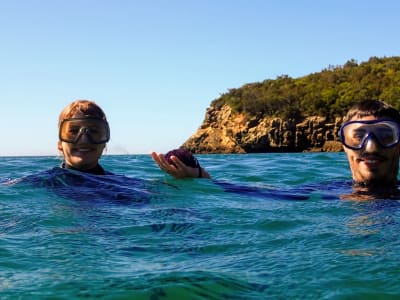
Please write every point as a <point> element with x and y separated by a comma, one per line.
<point>82,164</point>
<point>377,181</point>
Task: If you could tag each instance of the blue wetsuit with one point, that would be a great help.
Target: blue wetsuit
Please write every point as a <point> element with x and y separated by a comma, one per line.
<point>301,193</point>
<point>99,185</point>
<point>96,184</point>
<point>327,190</point>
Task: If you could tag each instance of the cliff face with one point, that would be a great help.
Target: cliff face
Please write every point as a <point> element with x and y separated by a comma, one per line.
<point>223,131</point>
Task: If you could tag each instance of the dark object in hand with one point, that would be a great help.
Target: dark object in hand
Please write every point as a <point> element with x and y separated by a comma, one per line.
<point>184,155</point>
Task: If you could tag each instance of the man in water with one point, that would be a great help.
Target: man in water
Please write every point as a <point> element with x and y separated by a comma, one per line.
<point>370,136</point>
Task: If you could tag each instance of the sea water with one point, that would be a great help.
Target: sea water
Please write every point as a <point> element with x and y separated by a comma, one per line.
<point>281,232</point>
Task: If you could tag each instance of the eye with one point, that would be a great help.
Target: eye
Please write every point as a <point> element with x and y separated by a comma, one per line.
<point>386,135</point>
<point>73,130</point>
<point>358,135</point>
<point>94,130</point>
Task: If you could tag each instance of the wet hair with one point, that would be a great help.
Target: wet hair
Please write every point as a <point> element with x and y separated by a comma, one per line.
<point>87,107</point>
<point>376,108</point>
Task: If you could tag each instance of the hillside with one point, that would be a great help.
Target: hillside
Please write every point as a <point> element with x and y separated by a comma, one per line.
<point>294,114</point>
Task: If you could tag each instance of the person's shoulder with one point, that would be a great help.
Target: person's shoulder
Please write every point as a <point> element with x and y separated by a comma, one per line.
<point>39,177</point>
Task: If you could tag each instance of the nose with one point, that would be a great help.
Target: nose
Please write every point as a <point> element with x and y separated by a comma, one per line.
<point>83,136</point>
<point>371,143</point>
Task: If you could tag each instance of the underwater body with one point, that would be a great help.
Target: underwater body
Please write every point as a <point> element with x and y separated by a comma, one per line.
<point>267,226</point>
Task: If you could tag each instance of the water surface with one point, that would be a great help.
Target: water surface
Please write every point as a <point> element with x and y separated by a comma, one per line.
<point>192,239</point>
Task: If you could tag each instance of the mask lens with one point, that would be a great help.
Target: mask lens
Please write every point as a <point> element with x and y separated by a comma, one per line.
<point>386,135</point>
<point>97,130</point>
<point>354,134</point>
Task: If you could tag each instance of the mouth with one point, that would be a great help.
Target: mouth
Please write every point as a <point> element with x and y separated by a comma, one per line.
<point>82,150</point>
<point>371,161</point>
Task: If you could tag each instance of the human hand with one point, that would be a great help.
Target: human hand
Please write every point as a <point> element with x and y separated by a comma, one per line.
<point>179,169</point>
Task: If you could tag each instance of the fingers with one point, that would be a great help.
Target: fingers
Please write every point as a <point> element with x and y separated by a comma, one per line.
<point>166,167</point>
<point>160,160</point>
<point>180,170</point>
<point>179,164</point>
<point>185,171</point>
<point>155,157</point>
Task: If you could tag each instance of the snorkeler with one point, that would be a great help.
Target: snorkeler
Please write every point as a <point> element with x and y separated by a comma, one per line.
<point>83,133</point>
<point>370,136</point>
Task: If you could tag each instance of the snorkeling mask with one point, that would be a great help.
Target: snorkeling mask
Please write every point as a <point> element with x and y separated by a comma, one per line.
<point>96,129</point>
<point>354,134</point>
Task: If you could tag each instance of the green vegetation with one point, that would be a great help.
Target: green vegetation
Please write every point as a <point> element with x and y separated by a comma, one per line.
<point>328,93</point>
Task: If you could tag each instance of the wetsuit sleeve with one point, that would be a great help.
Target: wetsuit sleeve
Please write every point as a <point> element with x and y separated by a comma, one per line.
<point>293,194</point>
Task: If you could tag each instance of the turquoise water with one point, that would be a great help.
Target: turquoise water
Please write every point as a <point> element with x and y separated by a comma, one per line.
<point>190,239</point>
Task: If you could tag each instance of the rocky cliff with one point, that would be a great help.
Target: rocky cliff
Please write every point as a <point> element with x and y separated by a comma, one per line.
<point>224,131</point>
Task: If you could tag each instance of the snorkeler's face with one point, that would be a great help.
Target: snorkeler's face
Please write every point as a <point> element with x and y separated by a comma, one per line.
<point>83,154</point>
<point>373,164</point>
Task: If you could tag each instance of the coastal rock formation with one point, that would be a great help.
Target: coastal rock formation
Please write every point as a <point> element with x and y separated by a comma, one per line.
<point>224,131</point>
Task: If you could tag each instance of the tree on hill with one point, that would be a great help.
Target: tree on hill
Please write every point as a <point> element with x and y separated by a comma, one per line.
<point>328,93</point>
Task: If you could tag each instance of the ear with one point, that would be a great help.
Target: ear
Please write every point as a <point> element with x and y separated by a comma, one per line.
<point>59,146</point>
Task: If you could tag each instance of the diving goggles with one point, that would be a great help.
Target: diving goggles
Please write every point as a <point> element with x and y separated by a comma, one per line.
<point>354,134</point>
<point>96,130</point>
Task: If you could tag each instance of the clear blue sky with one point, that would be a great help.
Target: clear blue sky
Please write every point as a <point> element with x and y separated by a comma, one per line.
<point>155,66</point>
